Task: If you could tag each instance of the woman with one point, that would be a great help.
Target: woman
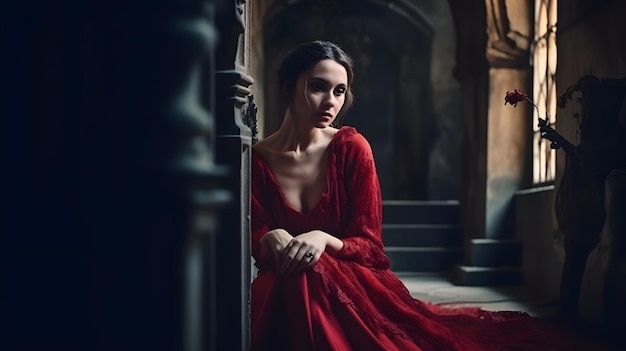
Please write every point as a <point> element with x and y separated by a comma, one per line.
<point>324,281</point>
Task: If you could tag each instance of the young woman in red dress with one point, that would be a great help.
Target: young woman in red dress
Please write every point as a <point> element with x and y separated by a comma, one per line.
<point>324,281</point>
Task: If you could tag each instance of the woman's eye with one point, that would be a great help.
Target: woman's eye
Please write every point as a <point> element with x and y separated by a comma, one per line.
<point>340,91</point>
<point>317,87</point>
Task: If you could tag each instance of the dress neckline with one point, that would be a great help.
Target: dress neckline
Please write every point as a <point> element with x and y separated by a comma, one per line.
<point>330,161</point>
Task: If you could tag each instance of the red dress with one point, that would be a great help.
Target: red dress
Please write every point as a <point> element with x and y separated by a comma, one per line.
<point>352,300</point>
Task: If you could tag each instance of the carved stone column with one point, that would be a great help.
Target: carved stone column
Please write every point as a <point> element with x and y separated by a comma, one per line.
<point>155,214</point>
<point>233,145</point>
<point>188,131</point>
<point>113,186</point>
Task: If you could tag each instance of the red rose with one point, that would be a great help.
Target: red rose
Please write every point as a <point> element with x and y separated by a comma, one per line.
<point>514,97</point>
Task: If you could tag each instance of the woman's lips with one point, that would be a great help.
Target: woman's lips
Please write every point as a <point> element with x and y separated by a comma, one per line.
<point>326,115</point>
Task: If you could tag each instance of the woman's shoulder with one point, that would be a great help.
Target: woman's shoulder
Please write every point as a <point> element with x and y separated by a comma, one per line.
<point>259,157</point>
<point>263,151</point>
<point>263,144</point>
<point>351,138</point>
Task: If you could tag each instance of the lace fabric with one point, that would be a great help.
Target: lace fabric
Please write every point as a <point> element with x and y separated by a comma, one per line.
<point>358,277</point>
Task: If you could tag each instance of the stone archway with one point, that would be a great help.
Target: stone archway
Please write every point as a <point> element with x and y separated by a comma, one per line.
<point>392,45</point>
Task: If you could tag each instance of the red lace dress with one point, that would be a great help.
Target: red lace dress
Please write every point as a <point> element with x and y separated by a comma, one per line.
<point>351,300</point>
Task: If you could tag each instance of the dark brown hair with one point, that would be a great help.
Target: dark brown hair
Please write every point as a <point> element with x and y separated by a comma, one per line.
<point>305,56</point>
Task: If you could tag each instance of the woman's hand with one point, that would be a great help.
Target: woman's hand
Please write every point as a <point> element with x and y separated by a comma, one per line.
<point>303,251</point>
<point>276,241</point>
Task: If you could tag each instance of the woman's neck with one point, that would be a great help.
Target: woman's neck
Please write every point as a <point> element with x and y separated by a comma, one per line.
<point>296,137</point>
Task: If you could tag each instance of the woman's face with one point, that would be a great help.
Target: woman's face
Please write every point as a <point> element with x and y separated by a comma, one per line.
<point>320,94</point>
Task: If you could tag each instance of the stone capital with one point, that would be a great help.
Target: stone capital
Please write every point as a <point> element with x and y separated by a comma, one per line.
<point>508,33</point>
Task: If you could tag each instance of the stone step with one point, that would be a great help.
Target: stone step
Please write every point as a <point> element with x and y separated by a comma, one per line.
<point>495,253</point>
<point>423,259</point>
<point>426,235</point>
<point>420,212</point>
<point>487,276</point>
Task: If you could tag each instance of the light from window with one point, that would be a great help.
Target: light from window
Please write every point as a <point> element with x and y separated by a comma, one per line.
<point>544,88</point>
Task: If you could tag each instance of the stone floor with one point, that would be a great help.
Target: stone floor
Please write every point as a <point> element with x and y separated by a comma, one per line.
<point>438,289</point>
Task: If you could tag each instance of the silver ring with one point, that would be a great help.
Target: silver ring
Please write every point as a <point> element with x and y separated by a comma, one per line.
<point>308,254</point>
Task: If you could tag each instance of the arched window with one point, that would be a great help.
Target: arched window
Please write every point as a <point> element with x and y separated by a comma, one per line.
<point>544,87</point>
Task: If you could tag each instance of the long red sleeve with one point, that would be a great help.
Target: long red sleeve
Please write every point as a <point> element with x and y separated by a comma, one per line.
<point>363,236</point>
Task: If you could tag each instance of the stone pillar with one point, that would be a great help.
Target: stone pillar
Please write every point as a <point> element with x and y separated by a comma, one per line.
<point>234,140</point>
<point>508,150</point>
<point>187,131</point>
<point>496,141</point>
<point>113,186</point>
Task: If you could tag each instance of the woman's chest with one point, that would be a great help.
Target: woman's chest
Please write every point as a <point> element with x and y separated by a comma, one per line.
<point>302,182</point>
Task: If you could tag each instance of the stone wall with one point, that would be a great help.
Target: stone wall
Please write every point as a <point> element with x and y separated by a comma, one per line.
<point>542,259</point>
<point>445,154</point>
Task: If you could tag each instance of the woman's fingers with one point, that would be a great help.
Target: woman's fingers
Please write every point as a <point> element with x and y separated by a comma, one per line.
<point>292,258</point>
<point>278,256</point>
<point>276,241</point>
<point>277,252</point>
<point>308,262</point>
<point>297,258</point>
<point>302,252</point>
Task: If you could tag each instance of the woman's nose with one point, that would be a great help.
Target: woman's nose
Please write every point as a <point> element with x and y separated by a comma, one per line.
<point>330,99</point>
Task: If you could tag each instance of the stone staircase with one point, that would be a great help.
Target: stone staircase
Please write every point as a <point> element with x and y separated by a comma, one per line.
<point>422,236</point>
<point>425,237</point>
<point>491,262</point>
